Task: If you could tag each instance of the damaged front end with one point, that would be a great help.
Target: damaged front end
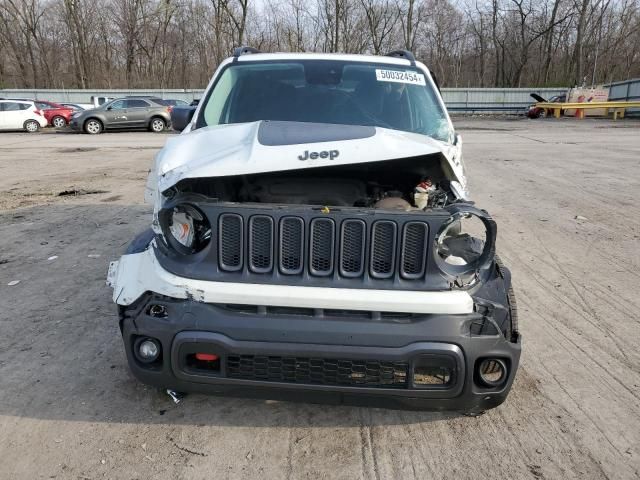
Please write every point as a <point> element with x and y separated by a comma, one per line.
<point>338,263</point>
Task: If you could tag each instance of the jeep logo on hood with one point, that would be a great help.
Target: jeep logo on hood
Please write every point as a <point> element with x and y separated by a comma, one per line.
<point>330,154</point>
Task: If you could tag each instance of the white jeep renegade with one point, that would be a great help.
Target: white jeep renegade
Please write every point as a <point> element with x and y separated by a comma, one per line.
<point>313,237</point>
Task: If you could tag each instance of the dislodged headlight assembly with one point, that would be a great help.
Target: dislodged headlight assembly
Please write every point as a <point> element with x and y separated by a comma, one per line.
<point>465,244</point>
<point>186,229</point>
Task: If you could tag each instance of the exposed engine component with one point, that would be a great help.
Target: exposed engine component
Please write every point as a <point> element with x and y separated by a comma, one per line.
<point>401,184</point>
<point>393,200</point>
<point>306,191</point>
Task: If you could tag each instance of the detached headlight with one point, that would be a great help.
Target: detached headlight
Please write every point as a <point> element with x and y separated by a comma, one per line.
<point>465,243</point>
<point>187,229</point>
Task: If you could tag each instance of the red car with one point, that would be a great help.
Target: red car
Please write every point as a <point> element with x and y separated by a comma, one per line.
<point>56,115</point>
<point>536,112</point>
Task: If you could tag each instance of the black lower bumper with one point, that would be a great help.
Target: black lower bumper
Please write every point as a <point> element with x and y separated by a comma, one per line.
<point>294,344</point>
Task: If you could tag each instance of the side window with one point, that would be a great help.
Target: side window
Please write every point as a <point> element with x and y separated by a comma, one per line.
<point>43,106</point>
<point>119,105</point>
<point>24,106</point>
<point>137,104</point>
<point>11,106</point>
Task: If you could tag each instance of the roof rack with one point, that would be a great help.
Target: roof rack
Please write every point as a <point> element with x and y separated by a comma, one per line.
<point>406,54</point>
<point>244,50</point>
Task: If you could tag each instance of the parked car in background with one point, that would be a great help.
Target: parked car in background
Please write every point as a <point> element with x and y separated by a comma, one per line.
<point>176,103</point>
<point>536,112</point>
<point>57,115</point>
<point>73,106</point>
<point>123,113</point>
<point>21,115</point>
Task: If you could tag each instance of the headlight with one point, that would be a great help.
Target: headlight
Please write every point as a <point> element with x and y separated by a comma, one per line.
<point>465,243</point>
<point>188,229</point>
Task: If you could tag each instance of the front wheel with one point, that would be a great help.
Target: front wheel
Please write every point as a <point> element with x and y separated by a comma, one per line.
<point>31,126</point>
<point>157,125</point>
<point>93,126</point>
<point>58,122</point>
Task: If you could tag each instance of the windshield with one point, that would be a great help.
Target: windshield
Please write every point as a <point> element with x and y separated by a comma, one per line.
<point>346,93</point>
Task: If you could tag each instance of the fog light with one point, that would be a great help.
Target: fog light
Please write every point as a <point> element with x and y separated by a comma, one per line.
<point>492,372</point>
<point>147,349</point>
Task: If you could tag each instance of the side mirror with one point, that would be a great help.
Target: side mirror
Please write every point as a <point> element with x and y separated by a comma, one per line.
<point>109,107</point>
<point>181,117</point>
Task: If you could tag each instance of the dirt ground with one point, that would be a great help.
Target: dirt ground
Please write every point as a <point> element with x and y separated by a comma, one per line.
<point>565,195</point>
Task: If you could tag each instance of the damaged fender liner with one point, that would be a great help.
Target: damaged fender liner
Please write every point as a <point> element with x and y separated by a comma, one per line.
<point>137,273</point>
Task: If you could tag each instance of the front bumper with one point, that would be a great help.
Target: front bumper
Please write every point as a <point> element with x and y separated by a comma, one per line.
<point>201,316</point>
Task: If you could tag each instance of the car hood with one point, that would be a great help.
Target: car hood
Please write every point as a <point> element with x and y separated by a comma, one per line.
<point>271,146</point>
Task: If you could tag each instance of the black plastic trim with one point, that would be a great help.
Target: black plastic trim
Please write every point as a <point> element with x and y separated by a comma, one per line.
<point>252,226</point>
<point>276,132</point>
<point>406,54</point>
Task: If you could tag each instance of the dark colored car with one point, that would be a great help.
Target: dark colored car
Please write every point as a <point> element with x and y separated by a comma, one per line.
<point>123,114</point>
<point>536,112</point>
<point>73,106</point>
<point>176,103</point>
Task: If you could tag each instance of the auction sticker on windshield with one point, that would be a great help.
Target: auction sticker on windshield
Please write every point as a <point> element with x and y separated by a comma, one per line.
<point>399,77</point>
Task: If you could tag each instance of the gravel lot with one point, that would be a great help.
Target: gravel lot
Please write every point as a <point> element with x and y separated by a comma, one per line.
<point>565,194</point>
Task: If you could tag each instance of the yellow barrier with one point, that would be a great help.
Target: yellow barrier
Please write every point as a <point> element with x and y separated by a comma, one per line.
<point>618,107</point>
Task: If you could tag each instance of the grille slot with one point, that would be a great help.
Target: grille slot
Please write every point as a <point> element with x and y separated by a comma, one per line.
<point>231,242</point>
<point>319,371</point>
<point>260,244</point>
<point>414,255</point>
<point>383,249</point>
<point>352,244</point>
<point>321,251</point>
<point>291,245</point>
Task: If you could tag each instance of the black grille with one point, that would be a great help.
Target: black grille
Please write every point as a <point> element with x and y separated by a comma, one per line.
<point>321,250</point>
<point>261,244</point>
<point>231,242</point>
<point>414,243</point>
<point>319,371</point>
<point>383,249</point>
<point>352,248</point>
<point>338,248</point>
<point>291,245</point>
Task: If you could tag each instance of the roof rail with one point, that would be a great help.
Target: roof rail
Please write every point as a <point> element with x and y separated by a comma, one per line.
<point>406,54</point>
<point>243,50</point>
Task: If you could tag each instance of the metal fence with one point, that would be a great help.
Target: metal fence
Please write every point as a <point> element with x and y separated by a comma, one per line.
<point>458,100</point>
<point>625,91</point>
<point>493,100</point>
<point>628,90</point>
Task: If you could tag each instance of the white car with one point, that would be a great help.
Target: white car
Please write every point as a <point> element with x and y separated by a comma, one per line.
<point>313,237</point>
<point>21,115</point>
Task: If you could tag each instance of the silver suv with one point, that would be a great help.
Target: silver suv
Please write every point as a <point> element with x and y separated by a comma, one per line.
<point>124,113</point>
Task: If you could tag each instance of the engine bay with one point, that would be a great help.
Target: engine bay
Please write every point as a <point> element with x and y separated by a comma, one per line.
<point>405,184</point>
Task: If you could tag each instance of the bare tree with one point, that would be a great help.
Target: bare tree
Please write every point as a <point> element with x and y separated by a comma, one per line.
<point>178,43</point>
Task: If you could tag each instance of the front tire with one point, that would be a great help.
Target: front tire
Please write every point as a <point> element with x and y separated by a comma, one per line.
<point>31,126</point>
<point>157,125</point>
<point>58,122</point>
<point>93,126</point>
